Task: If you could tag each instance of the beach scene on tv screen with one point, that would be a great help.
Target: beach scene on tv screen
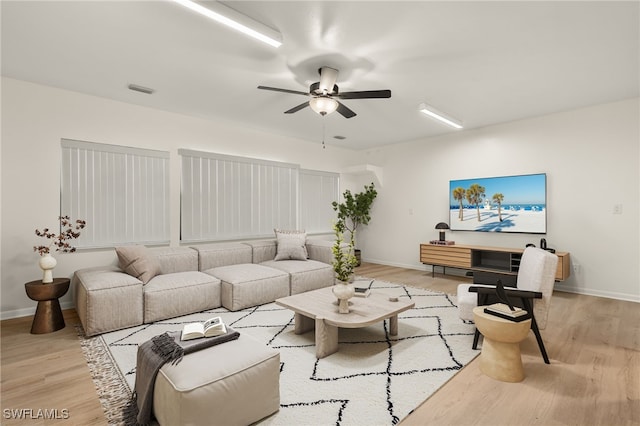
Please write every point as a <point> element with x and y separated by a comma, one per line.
<point>499,204</point>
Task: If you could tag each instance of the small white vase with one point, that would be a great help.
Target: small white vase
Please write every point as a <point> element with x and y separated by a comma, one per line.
<point>343,291</point>
<point>47,263</point>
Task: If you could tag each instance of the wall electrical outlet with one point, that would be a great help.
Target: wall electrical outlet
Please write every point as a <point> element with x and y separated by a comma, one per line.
<point>576,268</point>
<point>617,209</point>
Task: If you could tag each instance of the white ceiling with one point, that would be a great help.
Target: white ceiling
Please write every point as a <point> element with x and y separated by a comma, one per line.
<point>481,62</point>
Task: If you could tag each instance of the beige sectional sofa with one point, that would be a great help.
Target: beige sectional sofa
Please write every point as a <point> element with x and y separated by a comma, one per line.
<point>192,279</point>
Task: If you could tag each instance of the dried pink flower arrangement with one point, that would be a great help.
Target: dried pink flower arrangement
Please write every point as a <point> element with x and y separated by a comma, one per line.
<point>61,240</point>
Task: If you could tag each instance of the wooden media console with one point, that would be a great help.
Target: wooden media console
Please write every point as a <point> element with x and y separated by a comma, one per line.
<point>495,260</point>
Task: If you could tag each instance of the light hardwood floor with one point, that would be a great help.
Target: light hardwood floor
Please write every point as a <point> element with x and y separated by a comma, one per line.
<point>593,379</point>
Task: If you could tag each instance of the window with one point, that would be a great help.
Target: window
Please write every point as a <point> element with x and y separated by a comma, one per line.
<point>317,191</point>
<point>122,193</point>
<point>225,197</point>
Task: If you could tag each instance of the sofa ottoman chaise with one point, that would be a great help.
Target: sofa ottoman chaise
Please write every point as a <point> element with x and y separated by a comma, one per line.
<point>234,383</point>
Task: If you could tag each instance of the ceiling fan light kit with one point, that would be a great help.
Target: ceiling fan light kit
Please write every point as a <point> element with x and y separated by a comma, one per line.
<point>323,105</point>
<point>440,116</point>
<point>236,20</point>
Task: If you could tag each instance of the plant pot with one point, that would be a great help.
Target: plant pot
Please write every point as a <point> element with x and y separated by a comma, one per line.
<point>343,292</point>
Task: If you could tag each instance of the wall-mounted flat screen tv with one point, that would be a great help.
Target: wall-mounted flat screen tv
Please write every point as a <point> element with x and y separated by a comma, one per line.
<point>499,204</point>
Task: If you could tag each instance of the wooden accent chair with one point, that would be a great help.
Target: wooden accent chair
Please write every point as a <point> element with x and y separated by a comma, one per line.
<point>534,287</point>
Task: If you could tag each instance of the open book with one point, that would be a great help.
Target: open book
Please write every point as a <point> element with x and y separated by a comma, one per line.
<point>211,327</point>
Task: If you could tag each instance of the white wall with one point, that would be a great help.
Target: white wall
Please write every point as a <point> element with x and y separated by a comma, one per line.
<point>35,118</point>
<point>591,158</point>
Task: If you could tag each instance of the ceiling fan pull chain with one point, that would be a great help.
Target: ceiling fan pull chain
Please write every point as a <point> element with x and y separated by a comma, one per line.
<point>323,132</point>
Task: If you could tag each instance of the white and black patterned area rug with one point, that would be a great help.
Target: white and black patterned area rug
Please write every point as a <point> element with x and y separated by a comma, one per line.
<point>373,379</point>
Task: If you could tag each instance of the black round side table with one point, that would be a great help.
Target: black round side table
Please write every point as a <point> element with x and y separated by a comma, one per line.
<point>48,317</point>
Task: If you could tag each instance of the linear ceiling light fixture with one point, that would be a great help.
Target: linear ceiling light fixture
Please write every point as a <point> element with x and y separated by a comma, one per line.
<point>141,89</point>
<point>231,18</point>
<point>440,116</point>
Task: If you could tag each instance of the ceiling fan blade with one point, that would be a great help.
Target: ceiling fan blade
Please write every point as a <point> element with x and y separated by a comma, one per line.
<point>328,77</point>
<point>276,89</point>
<point>346,112</point>
<point>297,108</point>
<point>365,94</point>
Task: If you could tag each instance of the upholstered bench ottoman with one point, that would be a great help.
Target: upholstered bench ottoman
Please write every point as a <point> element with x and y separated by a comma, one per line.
<point>234,383</point>
<point>249,284</point>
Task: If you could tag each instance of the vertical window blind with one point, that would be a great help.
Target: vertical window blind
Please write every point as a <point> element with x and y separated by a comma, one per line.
<point>226,197</point>
<point>122,193</point>
<point>317,191</point>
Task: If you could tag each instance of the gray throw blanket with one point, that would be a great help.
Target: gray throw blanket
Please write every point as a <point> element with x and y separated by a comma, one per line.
<point>152,355</point>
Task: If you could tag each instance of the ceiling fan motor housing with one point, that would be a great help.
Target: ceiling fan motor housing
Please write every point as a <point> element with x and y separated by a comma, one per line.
<point>315,89</point>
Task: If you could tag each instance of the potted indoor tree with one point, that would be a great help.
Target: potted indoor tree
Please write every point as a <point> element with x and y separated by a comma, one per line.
<point>355,211</point>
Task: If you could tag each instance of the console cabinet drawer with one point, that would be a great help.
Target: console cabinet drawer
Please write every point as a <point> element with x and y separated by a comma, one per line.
<point>455,257</point>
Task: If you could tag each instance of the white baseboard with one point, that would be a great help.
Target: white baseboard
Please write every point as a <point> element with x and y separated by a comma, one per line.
<point>27,312</point>
<point>597,293</point>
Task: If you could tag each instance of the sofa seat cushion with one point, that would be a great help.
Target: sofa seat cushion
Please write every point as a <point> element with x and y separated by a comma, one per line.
<point>107,299</point>
<point>235,383</point>
<point>305,275</point>
<point>181,293</point>
<point>249,284</point>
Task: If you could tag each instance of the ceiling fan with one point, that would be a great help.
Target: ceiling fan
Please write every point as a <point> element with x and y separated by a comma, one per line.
<point>324,93</point>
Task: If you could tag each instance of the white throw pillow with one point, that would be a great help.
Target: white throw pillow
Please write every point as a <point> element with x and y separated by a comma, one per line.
<point>291,245</point>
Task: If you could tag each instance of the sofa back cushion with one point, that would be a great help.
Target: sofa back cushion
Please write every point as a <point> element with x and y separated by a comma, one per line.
<point>176,259</point>
<point>222,254</point>
<point>262,250</point>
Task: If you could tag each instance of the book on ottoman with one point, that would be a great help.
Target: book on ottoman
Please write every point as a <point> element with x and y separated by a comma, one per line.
<point>196,330</point>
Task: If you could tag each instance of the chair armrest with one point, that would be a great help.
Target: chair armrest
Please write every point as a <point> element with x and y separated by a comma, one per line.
<point>511,292</point>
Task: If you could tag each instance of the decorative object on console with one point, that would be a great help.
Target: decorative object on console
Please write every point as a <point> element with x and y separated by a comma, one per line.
<point>356,208</point>
<point>69,230</point>
<point>543,246</point>
<point>441,226</point>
